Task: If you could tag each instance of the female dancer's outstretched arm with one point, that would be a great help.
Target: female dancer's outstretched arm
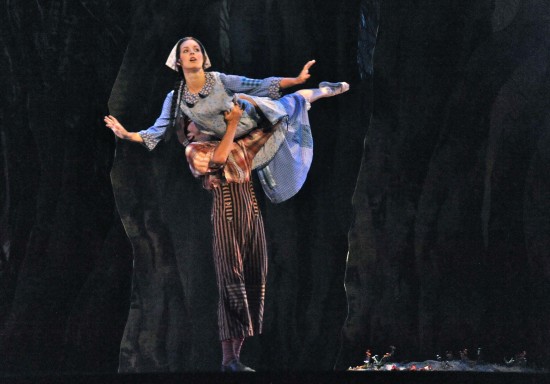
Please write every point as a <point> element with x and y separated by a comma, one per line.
<point>119,130</point>
<point>287,82</point>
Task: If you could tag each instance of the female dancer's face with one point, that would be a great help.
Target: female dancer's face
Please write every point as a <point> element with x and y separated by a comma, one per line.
<point>191,56</point>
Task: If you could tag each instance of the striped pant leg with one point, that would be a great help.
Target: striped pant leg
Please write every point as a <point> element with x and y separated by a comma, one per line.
<point>234,218</point>
<point>255,266</point>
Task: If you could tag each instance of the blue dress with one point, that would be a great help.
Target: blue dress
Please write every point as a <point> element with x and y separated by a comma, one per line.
<point>284,161</point>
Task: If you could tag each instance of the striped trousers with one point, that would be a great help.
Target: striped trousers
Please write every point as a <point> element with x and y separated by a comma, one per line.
<point>240,259</point>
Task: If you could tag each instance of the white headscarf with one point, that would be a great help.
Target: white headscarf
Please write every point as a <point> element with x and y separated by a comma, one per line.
<point>172,61</point>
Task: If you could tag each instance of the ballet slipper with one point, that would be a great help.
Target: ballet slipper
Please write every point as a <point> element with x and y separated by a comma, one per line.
<point>334,88</point>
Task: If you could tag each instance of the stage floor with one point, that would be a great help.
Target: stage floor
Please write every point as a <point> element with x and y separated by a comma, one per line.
<point>288,377</point>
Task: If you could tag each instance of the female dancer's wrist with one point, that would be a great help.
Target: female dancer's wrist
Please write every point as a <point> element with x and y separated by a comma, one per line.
<point>133,136</point>
<point>287,82</point>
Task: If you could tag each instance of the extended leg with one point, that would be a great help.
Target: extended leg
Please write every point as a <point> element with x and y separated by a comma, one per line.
<point>325,90</point>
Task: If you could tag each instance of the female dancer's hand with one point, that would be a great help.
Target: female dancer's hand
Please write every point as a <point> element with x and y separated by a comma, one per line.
<point>117,128</point>
<point>287,82</point>
<point>304,74</point>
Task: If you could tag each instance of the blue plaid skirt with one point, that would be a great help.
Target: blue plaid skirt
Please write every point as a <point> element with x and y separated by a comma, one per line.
<point>284,161</point>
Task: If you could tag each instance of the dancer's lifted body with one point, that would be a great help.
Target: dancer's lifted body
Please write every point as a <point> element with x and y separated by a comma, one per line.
<point>202,97</point>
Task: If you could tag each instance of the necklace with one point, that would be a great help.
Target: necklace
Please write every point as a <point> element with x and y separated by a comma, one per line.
<point>192,98</point>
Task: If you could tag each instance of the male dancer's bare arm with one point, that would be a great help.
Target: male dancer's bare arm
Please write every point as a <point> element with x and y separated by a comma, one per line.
<point>223,149</point>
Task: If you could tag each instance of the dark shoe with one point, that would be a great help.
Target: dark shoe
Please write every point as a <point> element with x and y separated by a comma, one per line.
<point>236,366</point>
<point>335,88</point>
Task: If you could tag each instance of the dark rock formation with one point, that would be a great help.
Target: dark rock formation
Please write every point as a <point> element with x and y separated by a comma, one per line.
<point>59,61</point>
<point>448,246</point>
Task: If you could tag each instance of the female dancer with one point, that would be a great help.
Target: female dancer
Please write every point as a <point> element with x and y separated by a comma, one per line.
<point>202,97</point>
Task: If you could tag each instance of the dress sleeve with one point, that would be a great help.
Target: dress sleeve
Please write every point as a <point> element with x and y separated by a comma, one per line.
<point>199,156</point>
<point>153,135</point>
<point>269,87</point>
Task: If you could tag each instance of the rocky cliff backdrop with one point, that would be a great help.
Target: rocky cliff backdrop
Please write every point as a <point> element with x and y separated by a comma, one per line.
<point>424,222</point>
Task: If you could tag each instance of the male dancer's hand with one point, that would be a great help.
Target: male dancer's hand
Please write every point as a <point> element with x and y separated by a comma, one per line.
<point>221,152</point>
<point>233,116</point>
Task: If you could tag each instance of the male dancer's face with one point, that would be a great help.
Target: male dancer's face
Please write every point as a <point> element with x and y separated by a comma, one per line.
<point>193,133</point>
